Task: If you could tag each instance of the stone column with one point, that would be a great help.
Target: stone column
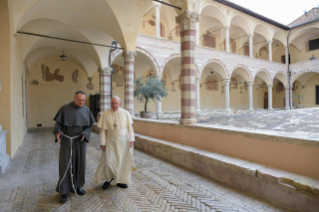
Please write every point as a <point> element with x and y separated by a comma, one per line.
<point>250,95</point>
<point>159,112</point>
<point>269,97</point>
<point>251,46</point>
<point>129,81</point>
<point>197,34</point>
<point>227,38</point>
<point>287,104</point>
<point>197,93</point>
<point>157,7</point>
<point>270,50</point>
<point>287,55</point>
<point>105,88</point>
<point>227,82</point>
<point>4,157</point>
<point>187,22</point>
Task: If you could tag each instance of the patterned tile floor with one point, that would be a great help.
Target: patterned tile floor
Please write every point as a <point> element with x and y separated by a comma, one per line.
<point>29,181</point>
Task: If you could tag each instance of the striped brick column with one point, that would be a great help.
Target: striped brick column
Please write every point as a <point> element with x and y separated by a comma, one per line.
<point>105,88</point>
<point>187,22</point>
<point>129,81</point>
<point>287,105</point>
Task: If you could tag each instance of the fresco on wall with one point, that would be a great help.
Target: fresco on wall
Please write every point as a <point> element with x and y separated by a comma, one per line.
<point>75,76</point>
<point>34,82</point>
<point>47,76</point>
<point>233,83</point>
<point>209,39</point>
<point>90,85</point>
<point>118,76</point>
<point>211,83</point>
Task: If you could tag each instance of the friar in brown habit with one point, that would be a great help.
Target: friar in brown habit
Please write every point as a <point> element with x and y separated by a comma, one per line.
<point>72,129</point>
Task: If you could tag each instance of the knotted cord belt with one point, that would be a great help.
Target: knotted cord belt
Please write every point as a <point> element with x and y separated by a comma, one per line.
<point>70,163</point>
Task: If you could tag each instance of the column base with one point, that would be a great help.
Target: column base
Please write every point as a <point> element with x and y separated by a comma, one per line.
<point>198,111</point>
<point>4,161</point>
<point>251,109</point>
<point>187,121</point>
<point>159,115</point>
<point>228,111</point>
<point>4,157</point>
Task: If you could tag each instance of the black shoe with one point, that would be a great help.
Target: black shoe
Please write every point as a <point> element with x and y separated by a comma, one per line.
<point>122,185</point>
<point>64,198</point>
<point>107,184</point>
<point>81,191</point>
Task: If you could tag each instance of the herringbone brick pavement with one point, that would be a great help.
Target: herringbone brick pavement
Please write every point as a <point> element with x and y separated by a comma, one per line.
<point>30,180</point>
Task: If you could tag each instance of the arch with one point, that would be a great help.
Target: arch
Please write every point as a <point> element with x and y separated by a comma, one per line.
<point>216,10</point>
<point>80,16</point>
<point>240,22</point>
<point>152,58</point>
<point>281,76</point>
<point>279,35</point>
<point>226,74</point>
<point>242,68</point>
<point>303,73</point>
<point>301,32</point>
<point>262,30</point>
<point>264,75</point>
<point>175,55</point>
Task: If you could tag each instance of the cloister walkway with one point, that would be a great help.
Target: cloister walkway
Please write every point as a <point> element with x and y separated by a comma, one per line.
<point>29,181</point>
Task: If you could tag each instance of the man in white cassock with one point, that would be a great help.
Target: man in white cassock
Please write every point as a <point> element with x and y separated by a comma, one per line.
<point>116,138</point>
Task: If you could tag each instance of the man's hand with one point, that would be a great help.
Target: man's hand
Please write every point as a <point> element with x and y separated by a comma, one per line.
<point>58,137</point>
<point>131,144</point>
<point>102,147</point>
<point>82,139</point>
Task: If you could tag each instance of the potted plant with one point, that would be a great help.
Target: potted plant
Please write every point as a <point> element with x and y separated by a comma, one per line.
<point>146,89</point>
<point>299,96</point>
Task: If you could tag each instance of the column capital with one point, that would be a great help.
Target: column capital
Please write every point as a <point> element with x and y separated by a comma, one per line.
<point>226,82</point>
<point>157,5</point>
<point>286,86</point>
<point>251,36</point>
<point>227,27</point>
<point>269,41</point>
<point>187,20</point>
<point>250,83</point>
<point>269,86</point>
<point>129,55</point>
<point>106,71</point>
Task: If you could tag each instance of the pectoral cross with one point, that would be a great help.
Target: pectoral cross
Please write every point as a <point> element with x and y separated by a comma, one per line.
<point>114,126</point>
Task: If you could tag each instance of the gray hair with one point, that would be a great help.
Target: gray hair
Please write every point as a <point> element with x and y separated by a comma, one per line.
<point>79,92</point>
<point>116,97</point>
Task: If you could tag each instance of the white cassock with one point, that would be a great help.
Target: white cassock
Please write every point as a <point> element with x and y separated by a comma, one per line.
<point>116,133</point>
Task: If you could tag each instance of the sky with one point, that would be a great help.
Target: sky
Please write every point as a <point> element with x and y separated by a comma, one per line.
<point>282,11</point>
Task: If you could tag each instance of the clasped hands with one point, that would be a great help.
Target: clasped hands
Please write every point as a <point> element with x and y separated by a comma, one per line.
<point>58,136</point>
<point>103,146</point>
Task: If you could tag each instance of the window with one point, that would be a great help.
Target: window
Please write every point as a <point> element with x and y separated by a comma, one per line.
<point>314,44</point>
<point>317,94</point>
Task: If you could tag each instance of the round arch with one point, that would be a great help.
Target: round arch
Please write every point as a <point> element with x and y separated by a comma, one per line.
<point>214,9</point>
<point>241,22</point>
<point>303,75</point>
<point>279,35</point>
<point>217,65</point>
<point>281,76</point>
<point>262,30</point>
<point>243,71</point>
<point>264,75</point>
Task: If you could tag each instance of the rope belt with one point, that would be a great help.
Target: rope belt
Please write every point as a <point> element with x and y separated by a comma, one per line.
<point>70,163</point>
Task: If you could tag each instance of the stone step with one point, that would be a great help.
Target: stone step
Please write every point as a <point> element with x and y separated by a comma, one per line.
<point>288,189</point>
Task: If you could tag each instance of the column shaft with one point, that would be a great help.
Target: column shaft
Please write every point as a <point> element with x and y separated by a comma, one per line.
<point>157,7</point>
<point>187,22</point>
<point>288,98</point>
<point>227,107</point>
<point>227,38</point>
<point>105,88</point>
<point>250,95</point>
<point>197,34</point>
<point>270,50</point>
<point>251,46</point>
<point>197,89</point>
<point>269,97</point>
<point>129,81</point>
